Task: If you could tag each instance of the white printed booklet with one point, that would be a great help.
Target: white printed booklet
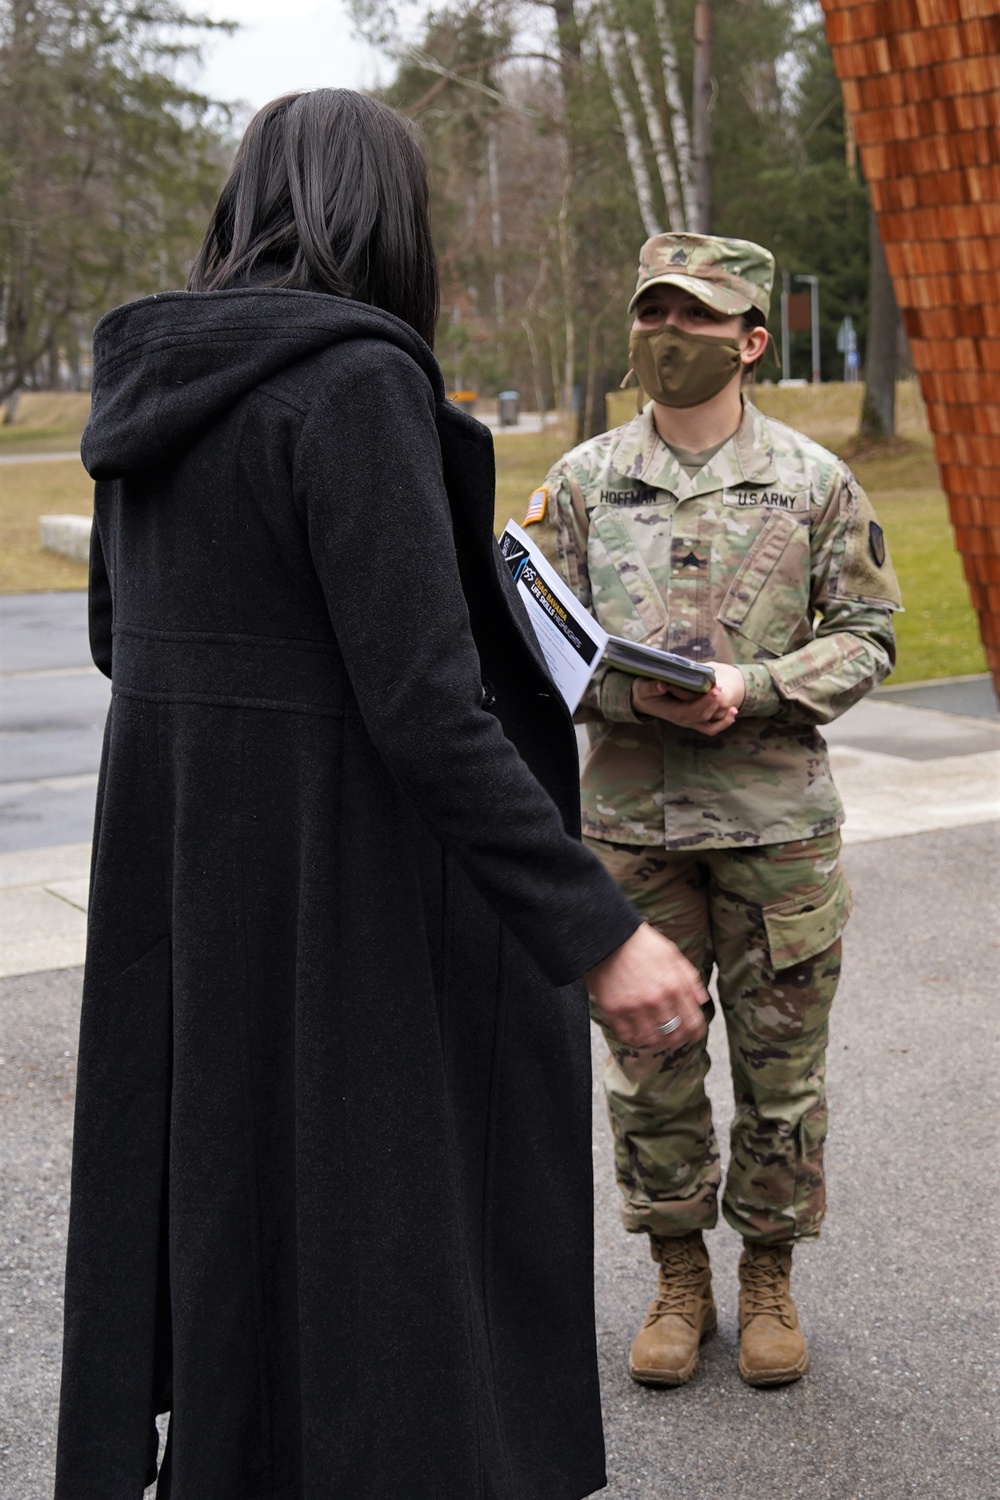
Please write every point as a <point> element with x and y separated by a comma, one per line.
<point>572,642</point>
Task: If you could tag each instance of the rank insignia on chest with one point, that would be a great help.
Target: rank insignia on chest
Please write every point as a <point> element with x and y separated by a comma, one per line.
<point>538,502</point>
<point>777,499</point>
<point>876,541</point>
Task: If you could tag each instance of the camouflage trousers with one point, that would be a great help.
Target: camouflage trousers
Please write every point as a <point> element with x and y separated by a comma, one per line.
<point>769,919</point>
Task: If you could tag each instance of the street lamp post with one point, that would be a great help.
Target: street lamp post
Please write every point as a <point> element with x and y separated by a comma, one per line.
<point>813,284</point>
<point>786,364</point>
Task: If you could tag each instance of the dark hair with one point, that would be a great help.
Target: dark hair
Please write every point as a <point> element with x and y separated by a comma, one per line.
<point>328,193</point>
<point>753,318</point>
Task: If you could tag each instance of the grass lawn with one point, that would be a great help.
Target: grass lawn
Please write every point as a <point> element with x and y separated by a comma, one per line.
<point>938,633</point>
<point>28,491</point>
<point>523,460</point>
<point>46,422</point>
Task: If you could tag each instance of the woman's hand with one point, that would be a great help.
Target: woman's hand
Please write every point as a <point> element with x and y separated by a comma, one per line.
<point>709,713</point>
<point>644,984</point>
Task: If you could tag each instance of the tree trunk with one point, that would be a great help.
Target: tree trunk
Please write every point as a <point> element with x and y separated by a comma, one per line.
<point>496,225</point>
<point>581,282</point>
<point>592,416</point>
<point>657,134</point>
<point>556,375</point>
<point>701,116</point>
<point>878,411</point>
<point>596,412</point>
<point>568,33</point>
<point>630,130</point>
<point>52,381</point>
<point>536,369</point>
<point>678,115</point>
<point>567,268</point>
<point>527,317</point>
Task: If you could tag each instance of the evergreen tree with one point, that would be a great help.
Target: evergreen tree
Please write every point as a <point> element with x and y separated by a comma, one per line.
<point>109,165</point>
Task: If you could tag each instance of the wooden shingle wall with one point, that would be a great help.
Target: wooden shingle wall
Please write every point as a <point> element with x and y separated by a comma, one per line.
<point>921,81</point>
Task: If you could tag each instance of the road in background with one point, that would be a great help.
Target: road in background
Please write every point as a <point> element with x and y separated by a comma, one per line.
<point>53,703</point>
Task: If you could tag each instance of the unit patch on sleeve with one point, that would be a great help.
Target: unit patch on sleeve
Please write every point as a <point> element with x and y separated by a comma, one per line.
<point>537,505</point>
<point>876,541</point>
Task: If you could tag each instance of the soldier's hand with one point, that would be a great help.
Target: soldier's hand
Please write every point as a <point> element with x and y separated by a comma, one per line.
<point>708,713</point>
<point>644,985</point>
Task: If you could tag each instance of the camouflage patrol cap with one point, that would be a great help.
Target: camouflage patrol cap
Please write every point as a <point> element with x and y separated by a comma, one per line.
<point>730,275</point>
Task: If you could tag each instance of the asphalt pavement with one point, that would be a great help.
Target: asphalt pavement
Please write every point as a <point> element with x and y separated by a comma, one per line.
<point>53,703</point>
<point>899,1297</point>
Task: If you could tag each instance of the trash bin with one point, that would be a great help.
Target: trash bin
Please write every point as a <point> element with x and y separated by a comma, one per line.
<point>508,408</point>
<point>465,399</point>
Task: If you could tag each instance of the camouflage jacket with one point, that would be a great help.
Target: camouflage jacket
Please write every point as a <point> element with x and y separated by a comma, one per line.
<point>769,558</point>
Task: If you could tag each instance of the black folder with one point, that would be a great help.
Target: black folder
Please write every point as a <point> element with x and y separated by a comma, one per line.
<point>664,666</point>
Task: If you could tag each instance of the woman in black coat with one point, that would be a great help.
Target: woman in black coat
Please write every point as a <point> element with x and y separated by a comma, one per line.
<point>331,1185</point>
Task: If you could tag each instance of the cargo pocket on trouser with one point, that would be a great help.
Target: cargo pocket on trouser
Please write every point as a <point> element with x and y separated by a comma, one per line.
<point>775,1189</point>
<point>801,928</point>
<point>803,934</point>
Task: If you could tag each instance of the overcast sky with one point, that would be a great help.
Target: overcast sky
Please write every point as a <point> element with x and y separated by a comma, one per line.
<point>284,45</point>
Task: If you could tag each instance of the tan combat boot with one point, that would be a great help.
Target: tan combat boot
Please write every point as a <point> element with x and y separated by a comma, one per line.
<point>772,1347</point>
<point>665,1350</point>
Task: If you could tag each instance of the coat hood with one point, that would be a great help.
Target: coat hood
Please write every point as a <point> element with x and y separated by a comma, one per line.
<point>168,367</point>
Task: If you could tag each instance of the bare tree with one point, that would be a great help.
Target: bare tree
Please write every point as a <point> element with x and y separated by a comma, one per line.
<point>675,104</point>
<point>570,57</point>
<point>701,116</point>
<point>536,166</point>
<point>657,135</point>
<point>630,130</point>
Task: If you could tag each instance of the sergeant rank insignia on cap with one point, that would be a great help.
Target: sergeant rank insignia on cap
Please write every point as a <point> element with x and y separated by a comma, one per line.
<point>537,503</point>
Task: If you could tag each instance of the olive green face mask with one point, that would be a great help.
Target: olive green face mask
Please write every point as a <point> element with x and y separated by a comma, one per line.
<point>682,369</point>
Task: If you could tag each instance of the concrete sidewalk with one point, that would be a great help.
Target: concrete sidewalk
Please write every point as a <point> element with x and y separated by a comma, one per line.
<point>905,768</point>
<point>931,771</point>
<point>886,793</point>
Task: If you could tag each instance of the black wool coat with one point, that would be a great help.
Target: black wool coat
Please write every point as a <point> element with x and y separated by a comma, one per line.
<point>331,1199</point>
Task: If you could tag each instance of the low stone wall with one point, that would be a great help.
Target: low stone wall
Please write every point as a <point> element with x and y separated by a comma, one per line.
<point>67,535</point>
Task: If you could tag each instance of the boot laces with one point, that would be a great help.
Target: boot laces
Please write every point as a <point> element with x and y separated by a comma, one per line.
<point>681,1285</point>
<point>764,1288</point>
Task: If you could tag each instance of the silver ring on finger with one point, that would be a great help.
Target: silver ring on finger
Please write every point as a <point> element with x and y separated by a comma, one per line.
<point>669,1026</point>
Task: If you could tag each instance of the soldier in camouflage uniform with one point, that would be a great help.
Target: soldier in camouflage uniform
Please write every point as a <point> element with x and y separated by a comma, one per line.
<point>760,553</point>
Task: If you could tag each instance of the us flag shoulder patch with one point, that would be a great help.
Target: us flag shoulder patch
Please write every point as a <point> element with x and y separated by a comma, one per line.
<point>537,503</point>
